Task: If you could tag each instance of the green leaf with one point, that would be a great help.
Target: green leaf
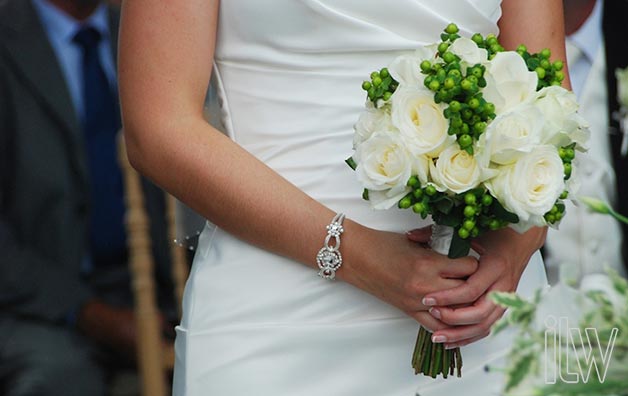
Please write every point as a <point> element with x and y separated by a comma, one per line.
<point>502,214</point>
<point>451,219</point>
<point>459,247</point>
<point>507,300</point>
<point>444,205</point>
<point>520,370</point>
<point>349,161</point>
<point>499,326</point>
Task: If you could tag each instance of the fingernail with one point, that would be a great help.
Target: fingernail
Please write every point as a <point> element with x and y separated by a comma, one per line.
<point>434,312</point>
<point>428,301</point>
<point>439,338</point>
<point>450,346</point>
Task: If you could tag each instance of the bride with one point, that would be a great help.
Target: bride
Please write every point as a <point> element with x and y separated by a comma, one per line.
<point>257,318</point>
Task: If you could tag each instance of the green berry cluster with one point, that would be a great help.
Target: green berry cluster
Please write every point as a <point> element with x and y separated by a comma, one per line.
<point>480,213</point>
<point>549,73</point>
<point>556,213</point>
<point>468,112</point>
<point>489,43</point>
<point>381,85</point>
<point>567,155</point>
<point>420,199</point>
<point>470,213</point>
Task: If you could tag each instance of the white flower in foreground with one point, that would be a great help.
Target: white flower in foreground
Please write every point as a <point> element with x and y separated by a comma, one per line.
<point>468,51</point>
<point>563,124</point>
<point>529,188</point>
<point>384,165</point>
<point>406,68</point>
<point>420,121</point>
<point>511,135</point>
<point>508,81</point>
<point>371,120</point>
<point>455,170</point>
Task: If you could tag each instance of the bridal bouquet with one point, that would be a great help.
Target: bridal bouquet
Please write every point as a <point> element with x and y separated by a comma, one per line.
<point>474,136</point>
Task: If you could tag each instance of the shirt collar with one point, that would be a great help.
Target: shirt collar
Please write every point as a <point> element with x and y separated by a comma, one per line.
<point>59,24</point>
<point>589,37</point>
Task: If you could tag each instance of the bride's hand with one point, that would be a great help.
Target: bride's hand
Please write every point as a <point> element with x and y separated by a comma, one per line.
<point>504,255</point>
<point>399,271</point>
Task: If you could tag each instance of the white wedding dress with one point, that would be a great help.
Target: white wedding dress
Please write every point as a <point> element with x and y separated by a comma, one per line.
<point>288,75</point>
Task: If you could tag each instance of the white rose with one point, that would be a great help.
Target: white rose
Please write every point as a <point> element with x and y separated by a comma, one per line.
<point>384,165</point>
<point>529,188</point>
<point>511,135</point>
<point>563,125</point>
<point>622,86</point>
<point>371,120</point>
<point>420,121</point>
<point>508,81</point>
<point>468,51</point>
<point>455,170</point>
<point>406,68</point>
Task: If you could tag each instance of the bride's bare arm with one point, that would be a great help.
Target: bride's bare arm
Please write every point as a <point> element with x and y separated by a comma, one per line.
<point>166,53</point>
<point>504,254</point>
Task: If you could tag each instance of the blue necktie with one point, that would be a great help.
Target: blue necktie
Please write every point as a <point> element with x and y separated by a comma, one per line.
<point>101,122</point>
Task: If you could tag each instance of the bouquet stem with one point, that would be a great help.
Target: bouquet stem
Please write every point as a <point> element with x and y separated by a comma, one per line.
<point>432,359</point>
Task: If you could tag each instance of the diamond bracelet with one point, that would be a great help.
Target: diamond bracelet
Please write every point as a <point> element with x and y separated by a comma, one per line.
<point>329,258</point>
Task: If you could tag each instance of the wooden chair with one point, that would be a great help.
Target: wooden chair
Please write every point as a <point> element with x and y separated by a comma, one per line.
<point>155,359</point>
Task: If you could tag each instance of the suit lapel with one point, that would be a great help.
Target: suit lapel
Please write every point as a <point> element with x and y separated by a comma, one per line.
<point>34,60</point>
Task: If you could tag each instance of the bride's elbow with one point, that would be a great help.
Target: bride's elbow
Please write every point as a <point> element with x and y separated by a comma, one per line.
<point>140,147</point>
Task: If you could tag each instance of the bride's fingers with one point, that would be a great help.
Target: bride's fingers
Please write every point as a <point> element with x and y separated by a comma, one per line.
<point>458,334</point>
<point>474,287</point>
<point>429,322</point>
<point>420,235</point>
<point>460,268</point>
<point>467,315</point>
<point>467,342</point>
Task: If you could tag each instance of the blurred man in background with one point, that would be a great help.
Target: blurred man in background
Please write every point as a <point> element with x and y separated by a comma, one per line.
<point>65,299</point>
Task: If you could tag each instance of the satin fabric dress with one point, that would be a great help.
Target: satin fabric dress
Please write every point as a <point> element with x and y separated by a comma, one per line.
<point>288,77</point>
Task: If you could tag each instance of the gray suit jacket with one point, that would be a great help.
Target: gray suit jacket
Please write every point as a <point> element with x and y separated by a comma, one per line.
<point>44,186</point>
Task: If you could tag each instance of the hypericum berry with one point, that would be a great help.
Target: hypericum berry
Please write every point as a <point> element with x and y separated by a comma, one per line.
<point>452,28</point>
<point>418,193</point>
<point>558,65</point>
<point>567,167</point>
<point>384,73</point>
<point>470,199</point>
<point>494,224</point>
<point>477,38</point>
<point>469,211</point>
<point>487,200</point>
<point>387,95</point>
<point>366,85</point>
<point>430,190</point>
<point>418,208</point>
<point>463,233</point>
<point>413,181</point>
<point>465,141</point>
<point>468,224</point>
<point>405,202</point>
<point>545,53</point>
<point>540,72</point>
<point>434,85</point>
<point>426,66</point>
<point>564,195</point>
